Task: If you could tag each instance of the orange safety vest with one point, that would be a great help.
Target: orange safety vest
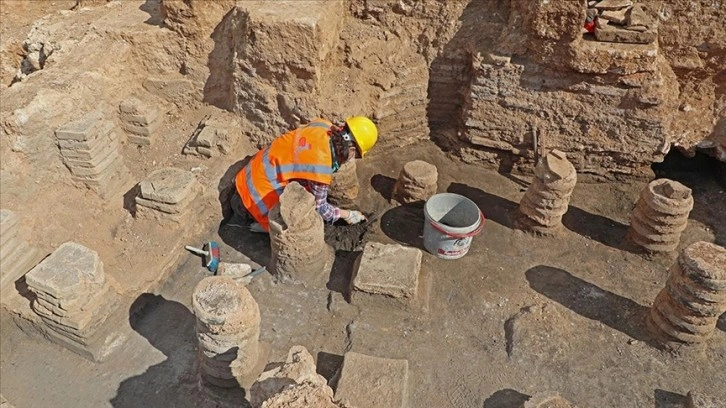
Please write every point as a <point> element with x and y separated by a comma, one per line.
<point>303,153</point>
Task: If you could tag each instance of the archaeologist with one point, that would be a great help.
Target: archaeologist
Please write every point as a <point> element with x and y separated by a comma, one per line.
<point>309,155</point>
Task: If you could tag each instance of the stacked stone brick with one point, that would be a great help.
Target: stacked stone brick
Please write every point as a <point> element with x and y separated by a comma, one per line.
<point>687,310</point>
<point>73,297</point>
<point>416,182</point>
<point>210,139</point>
<point>167,194</point>
<point>547,198</point>
<point>401,110</point>
<point>299,251</point>
<point>16,256</point>
<point>90,150</point>
<point>228,331</point>
<point>139,120</point>
<point>345,185</point>
<point>661,215</point>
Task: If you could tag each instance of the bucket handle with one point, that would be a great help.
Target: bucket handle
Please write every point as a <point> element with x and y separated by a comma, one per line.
<point>459,236</point>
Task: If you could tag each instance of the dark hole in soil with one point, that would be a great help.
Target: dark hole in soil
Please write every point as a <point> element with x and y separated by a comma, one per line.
<point>679,167</point>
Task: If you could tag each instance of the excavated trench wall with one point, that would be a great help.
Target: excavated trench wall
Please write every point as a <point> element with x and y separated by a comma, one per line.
<point>487,79</point>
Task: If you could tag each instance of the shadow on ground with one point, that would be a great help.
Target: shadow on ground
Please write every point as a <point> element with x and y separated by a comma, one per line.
<point>404,224</point>
<point>495,208</point>
<point>506,398</point>
<point>383,185</point>
<point>601,229</point>
<point>590,301</point>
<point>153,8</point>
<point>667,399</point>
<point>169,327</point>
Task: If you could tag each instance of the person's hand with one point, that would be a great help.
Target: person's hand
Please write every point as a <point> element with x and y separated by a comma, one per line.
<point>354,217</point>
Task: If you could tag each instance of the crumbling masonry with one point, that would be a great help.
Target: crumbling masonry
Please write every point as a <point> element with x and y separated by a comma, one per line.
<point>228,331</point>
<point>687,310</point>
<point>299,251</point>
<point>661,215</point>
<point>548,197</point>
<point>416,182</point>
<point>167,194</point>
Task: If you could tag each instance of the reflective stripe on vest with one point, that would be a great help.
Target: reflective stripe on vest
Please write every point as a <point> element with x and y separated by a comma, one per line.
<point>300,154</point>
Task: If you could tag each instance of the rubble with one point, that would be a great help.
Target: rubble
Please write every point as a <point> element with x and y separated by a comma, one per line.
<point>547,198</point>
<point>622,22</point>
<point>90,150</point>
<point>687,310</point>
<point>16,256</point>
<point>140,120</point>
<point>228,331</point>
<point>74,298</point>
<point>167,194</point>
<point>210,139</point>
<point>299,251</point>
<point>416,182</point>
<point>660,215</point>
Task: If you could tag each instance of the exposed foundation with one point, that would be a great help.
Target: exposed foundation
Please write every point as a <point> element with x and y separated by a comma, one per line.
<point>89,147</point>
<point>167,194</point>
<point>228,331</point>
<point>687,310</point>
<point>416,182</point>
<point>661,215</point>
<point>299,251</point>
<point>548,197</point>
<point>73,299</point>
<point>140,120</point>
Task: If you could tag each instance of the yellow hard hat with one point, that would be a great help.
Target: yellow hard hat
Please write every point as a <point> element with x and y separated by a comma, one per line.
<point>364,133</point>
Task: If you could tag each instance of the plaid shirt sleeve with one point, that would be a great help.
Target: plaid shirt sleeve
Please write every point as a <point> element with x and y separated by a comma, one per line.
<point>329,212</point>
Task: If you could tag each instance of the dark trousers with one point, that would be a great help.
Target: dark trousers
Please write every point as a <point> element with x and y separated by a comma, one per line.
<point>240,214</point>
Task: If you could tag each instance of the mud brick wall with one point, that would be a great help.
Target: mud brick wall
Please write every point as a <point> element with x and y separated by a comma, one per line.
<point>89,147</point>
<point>279,59</point>
<point>16,256</point>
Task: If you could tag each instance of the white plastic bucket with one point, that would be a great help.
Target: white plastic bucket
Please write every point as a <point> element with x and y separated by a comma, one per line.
<point>451,223</point>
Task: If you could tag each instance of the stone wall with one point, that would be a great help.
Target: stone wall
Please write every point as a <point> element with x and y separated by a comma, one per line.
<point>488,78</point>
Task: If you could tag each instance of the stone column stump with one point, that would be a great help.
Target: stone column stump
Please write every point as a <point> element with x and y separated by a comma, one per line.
<point>547,198</point>
<point>299,251</point>
<point>686,311</point>
<point>416,182</point>
<point>90,150</point>
<point>167,194</point>
<point>73,299</point>
<point>228,332</point>
<point>345,185</point>
<point>661,215</point>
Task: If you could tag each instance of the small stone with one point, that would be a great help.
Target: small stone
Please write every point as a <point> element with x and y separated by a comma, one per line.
<point>638,17</point>
<point>613,4</point>
<point>615,16</point>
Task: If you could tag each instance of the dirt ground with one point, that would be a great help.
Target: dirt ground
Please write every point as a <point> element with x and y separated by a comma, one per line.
<point>517,315</point>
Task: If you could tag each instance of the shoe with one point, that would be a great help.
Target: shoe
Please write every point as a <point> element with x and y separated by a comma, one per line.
<point>257,227</point>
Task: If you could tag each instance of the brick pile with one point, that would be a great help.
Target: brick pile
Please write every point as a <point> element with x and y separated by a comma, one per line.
<point>73,296</point>
<point>687,310</point>
<point>299,251</point>
<point>416,182</point>
<point>661,215</point>
<point>228,331</point>
<point>90,150</point>
<point>16,256</point>
<point>547,198</point>
<point>167,194</point>
<point>139,120</point>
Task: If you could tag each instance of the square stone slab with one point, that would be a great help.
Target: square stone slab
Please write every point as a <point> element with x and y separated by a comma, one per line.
<point>389,270</point>
<point>69,272</point>
<point>168,185</point>
<point>367,381</point>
